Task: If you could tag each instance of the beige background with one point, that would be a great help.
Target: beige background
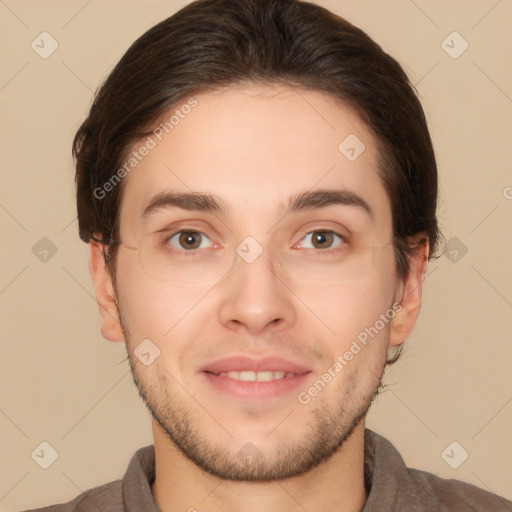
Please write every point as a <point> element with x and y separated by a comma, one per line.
<point>62,383</point>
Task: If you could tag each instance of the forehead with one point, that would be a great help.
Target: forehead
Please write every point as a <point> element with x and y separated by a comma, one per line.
<point>255,146</point>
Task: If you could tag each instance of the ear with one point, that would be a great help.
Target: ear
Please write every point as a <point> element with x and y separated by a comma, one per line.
<point>105,294</point>
<point>408,296</point>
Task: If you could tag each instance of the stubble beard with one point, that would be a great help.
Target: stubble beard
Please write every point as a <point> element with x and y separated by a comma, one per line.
<point>326,432</point>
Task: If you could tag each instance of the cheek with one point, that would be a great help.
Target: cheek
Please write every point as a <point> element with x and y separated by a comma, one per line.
<point>156,311</point>
<point>149,308</point>
<point>342,312</point>
<point>168,316</point>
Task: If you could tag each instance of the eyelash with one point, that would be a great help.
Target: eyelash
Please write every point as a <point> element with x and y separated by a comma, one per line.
<point>193,252</point>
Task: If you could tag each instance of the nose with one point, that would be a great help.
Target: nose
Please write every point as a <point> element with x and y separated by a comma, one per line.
<point>255,296</point>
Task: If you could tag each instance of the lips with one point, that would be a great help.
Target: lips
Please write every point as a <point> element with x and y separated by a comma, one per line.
<point>246,377</point>
<point>244,364</point>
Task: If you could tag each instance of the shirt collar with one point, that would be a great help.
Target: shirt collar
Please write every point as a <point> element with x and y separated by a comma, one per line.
<point>384,469</point>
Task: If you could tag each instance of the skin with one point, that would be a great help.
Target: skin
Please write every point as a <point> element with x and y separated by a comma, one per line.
<point>254,146</point>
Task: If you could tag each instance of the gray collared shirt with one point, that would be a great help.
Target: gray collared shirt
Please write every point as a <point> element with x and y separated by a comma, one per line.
<point>391,486</point>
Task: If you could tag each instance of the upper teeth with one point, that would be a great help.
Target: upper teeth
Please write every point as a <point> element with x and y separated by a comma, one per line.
<point>255,376</point>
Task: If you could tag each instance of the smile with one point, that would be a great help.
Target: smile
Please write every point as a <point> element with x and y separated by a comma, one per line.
<point>248,376</point>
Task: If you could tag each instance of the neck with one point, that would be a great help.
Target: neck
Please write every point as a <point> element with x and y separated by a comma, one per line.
<point>335,484</point>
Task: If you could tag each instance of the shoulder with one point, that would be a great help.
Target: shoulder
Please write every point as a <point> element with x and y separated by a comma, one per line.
<point>394,486</point>
<point>455,495</point>
<point>107,498</point>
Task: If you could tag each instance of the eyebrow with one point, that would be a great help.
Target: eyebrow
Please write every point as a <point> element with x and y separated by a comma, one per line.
<point>211,203</point>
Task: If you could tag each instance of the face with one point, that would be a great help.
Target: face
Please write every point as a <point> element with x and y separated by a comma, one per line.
<point>248,331</point>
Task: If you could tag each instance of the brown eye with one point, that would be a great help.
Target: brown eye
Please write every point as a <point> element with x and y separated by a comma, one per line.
<point>190,240</point>
<point>323,239</point>
<point>187,240</point>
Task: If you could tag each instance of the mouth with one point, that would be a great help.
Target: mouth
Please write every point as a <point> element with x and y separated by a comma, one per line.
<point>246,378</point>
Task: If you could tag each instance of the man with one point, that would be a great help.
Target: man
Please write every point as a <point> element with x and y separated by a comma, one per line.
<point>258,188</point>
